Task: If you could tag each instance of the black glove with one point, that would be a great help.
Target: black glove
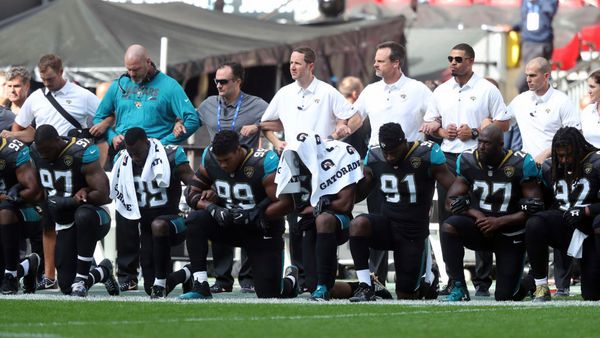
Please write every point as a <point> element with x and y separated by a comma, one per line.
<point>531,205</point>
<point>58,203</point>
<point>13,193</point>
<point>459,204</point>
<point>191,198</point>
<point>574,216</point>
<point>322,205</point>
<point>220,214</point>
<point>246,217</point>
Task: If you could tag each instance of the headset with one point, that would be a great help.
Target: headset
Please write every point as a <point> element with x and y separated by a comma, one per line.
<point>149,77</point>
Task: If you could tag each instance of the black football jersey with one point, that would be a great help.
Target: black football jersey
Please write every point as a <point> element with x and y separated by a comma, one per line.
<point>13,154</point>
<point>63,177</point>
<point>242,189</point>
<point>583,191</point>
<point>496,191</point>
<point>408,187</point>
<point>150,195</point>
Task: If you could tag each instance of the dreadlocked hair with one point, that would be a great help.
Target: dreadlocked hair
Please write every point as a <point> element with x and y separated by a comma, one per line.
<point>570,137</point>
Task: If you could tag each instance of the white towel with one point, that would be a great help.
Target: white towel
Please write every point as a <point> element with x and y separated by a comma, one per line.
<point>575,249</point>
<point>333,165</point>
<point>122,186</point>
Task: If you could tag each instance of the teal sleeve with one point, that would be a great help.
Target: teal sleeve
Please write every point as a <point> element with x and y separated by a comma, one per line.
<point>204,154</point>
<point>458,158</point>
<point>107,108</point>
<point>183,109</point>
<point>180,157</point>
<point>530,169</point>
<point>366,160</point>
<point>437,156</point>
<point>116,157</point>
<point>270,162</point>
<point>23,156</point>
<point>91,154</point>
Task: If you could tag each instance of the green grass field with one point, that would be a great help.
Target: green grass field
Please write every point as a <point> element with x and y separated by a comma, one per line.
<point>126,316</point>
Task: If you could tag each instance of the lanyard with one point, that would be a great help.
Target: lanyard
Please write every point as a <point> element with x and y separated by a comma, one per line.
<point>237,111</point>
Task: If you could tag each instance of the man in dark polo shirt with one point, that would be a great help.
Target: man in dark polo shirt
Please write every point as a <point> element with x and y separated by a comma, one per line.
<point>233,110</point>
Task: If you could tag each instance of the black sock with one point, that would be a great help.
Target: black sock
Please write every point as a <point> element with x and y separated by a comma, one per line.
<point>10,245</point>
<point>309,259</point>
<point>536,243</point>
<point>453,253</point>
<point>326,255</point>
<point>288,287</point>
<point>162,256</point>
<point>95,277</point>
<point>179,276</point>
<point>359,247</point>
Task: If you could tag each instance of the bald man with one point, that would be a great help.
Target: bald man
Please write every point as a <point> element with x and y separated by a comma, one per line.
<point>542,110</point>
<point>147,98</point>
<point>144,97</point>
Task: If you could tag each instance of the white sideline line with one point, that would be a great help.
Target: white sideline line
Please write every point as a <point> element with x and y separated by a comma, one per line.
<point>28,335</point>
<point>250,318</point>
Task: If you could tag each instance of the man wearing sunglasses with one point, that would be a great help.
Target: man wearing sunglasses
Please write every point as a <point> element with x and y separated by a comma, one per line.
<point>459,108</point>
<point>233,110</point>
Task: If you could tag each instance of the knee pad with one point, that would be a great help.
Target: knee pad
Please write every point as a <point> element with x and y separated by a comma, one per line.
<point>86,214</point>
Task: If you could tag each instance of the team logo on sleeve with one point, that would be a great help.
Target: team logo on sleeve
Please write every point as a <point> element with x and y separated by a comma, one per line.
<point>249,171</point>
<point>327,164</point>
<point>587,168</point>
<point>509,171</point>
<point>68,160</point>
<point>2,164</point>
<point>415,162</point>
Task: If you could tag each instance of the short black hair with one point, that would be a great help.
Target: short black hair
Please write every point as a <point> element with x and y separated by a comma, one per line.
<point>135,134</point>
<point>397,51</point>
<point>236,69</point>
<point>45,133</point>
<point>469,52</point>
<point>225,142</point>
<point>391,135</point>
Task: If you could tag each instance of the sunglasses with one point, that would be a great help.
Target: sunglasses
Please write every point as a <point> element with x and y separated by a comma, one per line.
<point>458,59</point>
<point>221,82</point>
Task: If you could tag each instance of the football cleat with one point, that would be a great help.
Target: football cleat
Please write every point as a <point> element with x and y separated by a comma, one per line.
<point>199,291</point>
<point>364,293</point>
<point>29,281</point>
<point>542,293</point>
<point>321,294</point>
<point>445,290</point>
<point>47,284</point>
<point>247,288</point>
<point>217,288</point>
<point>481,292</point>
<point>78,288</point>
<point>292,271</point>
<point>562,293</point>
<point>158,292</point>
<point>381,291</point>
<point>110,282</point>
<point>129,285</point>
<point>10,285</point>
<point>459,293</point>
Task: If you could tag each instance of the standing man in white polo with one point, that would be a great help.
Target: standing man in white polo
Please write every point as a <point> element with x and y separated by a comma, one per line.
<point>395,98</point>
<point>460,108</point>
<point>307,104</point>
<point>541,111</point>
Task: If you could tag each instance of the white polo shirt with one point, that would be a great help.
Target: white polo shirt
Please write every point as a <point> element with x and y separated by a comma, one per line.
<point>315,108</point>
<point>403,102</point>
<point>539,117</point>
<point>590,124</point>
<point>77,101</point>
<point>477,100</point>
